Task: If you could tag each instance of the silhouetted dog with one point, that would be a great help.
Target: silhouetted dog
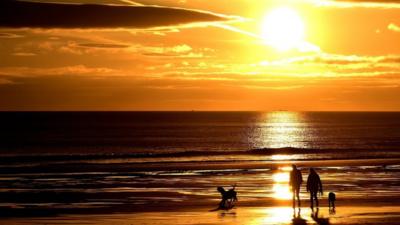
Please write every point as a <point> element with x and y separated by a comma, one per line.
<point>227,197</point>
<point>331,199</point>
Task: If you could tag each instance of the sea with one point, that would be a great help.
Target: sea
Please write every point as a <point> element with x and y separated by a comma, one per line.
<point>63,162</point>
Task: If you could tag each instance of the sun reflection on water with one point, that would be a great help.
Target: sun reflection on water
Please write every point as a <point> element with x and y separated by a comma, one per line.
<point>282,157</point>
<point>281,189</point>
<point>281,129</point>
<point>281,177</point>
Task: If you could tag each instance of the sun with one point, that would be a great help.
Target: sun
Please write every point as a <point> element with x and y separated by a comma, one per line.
<point>283,29</point>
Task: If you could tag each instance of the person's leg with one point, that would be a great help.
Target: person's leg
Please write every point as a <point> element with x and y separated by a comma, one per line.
<point>311,200</point>
<point>316,199</point>
<point>298,197</point>
<point>294,199</point>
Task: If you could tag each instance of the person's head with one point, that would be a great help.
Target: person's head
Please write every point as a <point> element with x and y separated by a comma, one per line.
<point>294,167</point>
<point>220,189</point>
<point>312,170</point>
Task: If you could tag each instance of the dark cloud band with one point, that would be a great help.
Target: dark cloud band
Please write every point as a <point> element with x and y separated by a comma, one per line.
<point>19,14</point>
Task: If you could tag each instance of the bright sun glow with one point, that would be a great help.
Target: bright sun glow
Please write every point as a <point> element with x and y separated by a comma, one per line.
<point>283,29</point>
<point>281,185</point>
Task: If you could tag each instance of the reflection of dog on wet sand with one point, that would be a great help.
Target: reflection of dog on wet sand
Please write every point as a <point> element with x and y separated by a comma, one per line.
<point>227,197</point>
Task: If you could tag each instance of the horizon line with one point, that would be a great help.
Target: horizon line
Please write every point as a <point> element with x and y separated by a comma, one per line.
<point>260,111</point>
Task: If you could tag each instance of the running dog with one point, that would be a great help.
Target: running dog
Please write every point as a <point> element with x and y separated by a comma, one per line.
<point>227,197</point>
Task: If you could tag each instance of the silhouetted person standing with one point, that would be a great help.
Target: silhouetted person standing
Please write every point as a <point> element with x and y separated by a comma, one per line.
<point>296,179</point>
<point>314,186</point>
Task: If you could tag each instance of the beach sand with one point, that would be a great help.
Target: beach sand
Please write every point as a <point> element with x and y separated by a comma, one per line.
<point>185,193</point>
<point>240,215</point>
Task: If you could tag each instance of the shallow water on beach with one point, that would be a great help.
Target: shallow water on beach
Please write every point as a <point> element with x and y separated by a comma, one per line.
<point>58,193</point>
<point>56,164</point>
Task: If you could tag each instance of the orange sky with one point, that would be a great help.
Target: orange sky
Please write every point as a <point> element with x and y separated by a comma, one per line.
<point>175,57</point>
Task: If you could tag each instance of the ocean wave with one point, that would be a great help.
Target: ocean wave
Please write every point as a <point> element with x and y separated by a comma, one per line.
<point>320,153</point>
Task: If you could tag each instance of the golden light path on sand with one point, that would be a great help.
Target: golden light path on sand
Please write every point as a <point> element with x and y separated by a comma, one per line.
<point>278,215</point>
<point>239,216</point>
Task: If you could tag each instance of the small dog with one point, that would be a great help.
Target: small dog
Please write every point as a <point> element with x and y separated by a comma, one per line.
<point>331,199</point>
<point>229,197</point>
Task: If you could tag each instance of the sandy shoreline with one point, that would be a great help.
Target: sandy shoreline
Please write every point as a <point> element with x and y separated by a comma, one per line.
<point>149,193</point>
<point>241,215</point>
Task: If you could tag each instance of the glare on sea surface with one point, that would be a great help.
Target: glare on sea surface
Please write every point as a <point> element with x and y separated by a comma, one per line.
<point>279,130</point>
<point>281,189</point>
<point>286,168</point>
<point>281,177</point>
<point>282,157</point>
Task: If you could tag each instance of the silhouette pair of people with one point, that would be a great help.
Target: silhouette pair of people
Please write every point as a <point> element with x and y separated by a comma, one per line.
<point>314,186</point>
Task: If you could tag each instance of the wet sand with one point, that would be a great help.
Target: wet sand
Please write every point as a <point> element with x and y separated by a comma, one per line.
<point>368,192</point>
<point>241,215</point>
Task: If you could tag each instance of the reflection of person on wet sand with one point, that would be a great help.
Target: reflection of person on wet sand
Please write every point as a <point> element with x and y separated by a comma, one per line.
<point>297,220</point>
<point>314,186</point>
<point>295,182</point>
<point>319,220</point>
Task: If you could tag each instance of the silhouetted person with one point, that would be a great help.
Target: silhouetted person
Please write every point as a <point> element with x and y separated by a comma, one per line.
<point>314,186</point>
<point>296,179</point>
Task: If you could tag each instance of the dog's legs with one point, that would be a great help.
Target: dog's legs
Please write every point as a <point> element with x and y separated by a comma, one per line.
<point>222,203</point>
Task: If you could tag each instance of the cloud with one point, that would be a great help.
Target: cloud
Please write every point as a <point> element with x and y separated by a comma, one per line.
<point>321,65</point>
<point>359,3</point>
<point>326,59</point>
<point>76,70</point>
<point>163,51</point>
<point>24,54</point>
<point>19,14</point>
<point>68,47</point>
<point>5,81</point>
<point>103,45</point>
<point>393,27</point>
<point>371,1</point>
<point>10,35</point>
